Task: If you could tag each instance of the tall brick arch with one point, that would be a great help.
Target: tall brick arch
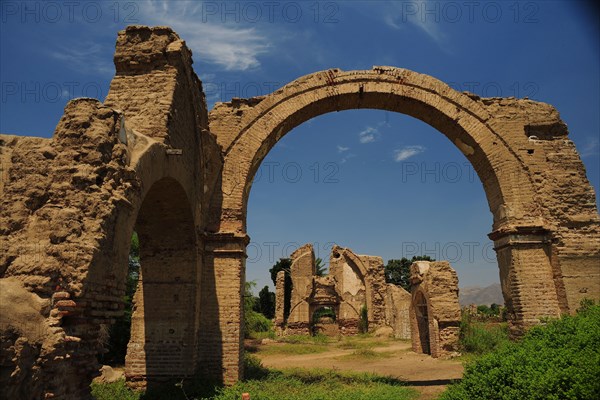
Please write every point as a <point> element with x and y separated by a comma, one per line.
<point>546,228</point>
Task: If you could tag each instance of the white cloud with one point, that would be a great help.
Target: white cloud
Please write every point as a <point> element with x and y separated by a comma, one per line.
<point>591,147</point>
<point>342,149</point>
<point>90,58</point>
<point>421,14</point>
<point>232,47</point>
<point>368,135</point>
<point>347,157</point>
<point>407,152</point>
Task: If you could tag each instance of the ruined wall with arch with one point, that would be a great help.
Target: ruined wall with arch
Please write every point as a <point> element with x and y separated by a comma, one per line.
<point>70,204</point>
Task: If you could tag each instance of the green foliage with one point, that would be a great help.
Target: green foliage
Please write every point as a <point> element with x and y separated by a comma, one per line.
<point>398,271</point>
<point>284,264</point>
<point>266,301</point>
<point>253,320</point>
<point>558,361</point>
<point>114,391</point>
<point>120,331</point>
<point>320,269</point>
<point>363,323</point>
<point>323,312</point>
<point>491,311</point>
<point>479,337</point>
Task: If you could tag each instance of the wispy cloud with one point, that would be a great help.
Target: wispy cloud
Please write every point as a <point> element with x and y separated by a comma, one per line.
<point>342,149</point>
<point>87,58</point>
<point>347,157</point>
<point>232,47</point>
<point>591,147</point>
<point>415,13</point>
<point>368,135</point>
<point>407,152</point>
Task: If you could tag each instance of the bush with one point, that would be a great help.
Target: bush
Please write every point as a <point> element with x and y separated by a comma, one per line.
<point>558,361</point>
<point>256,322</point>
<point>363,323</point>
<point>479,337</point>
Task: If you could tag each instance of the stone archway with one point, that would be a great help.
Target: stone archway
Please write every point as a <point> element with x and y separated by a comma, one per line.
<point>164,323</point>
<point>546,241</point>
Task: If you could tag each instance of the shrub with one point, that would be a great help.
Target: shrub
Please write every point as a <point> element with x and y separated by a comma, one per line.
<point>558,361</point>
<point>479,337</point>
<point>256,322</point>
<point>363,323</point>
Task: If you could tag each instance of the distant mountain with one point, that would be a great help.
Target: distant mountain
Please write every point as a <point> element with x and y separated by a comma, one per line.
<point>481,295</point>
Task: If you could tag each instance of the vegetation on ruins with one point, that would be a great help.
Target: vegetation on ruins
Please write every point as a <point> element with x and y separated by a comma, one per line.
<point>398,271</point>
<point>560,360</point>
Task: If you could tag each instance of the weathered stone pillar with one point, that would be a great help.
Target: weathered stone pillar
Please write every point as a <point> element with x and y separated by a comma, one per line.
<point>221,331</point>
<point>526,274</point>
<point>280,300</point>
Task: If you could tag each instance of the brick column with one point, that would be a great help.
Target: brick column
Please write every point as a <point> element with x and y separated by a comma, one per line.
<point>221,330</point>
<point>526,273</point>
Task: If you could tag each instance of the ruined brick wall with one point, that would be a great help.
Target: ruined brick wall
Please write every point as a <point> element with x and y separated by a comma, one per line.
<point>302,271</point>
<point>354,281</point>
<point>435,311</point>
<point>69,206</point>
<point>361,282</point>
<point>279,301</point>
<point>60,198</point>
<point>397,315</point>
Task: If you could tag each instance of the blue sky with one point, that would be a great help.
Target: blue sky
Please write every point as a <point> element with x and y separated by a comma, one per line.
<point>380,183</point>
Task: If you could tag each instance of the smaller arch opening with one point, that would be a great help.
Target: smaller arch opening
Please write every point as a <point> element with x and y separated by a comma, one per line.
<point>422,324</point>
<point>324,321</point>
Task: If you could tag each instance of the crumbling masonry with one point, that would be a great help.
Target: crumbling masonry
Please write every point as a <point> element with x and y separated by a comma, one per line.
<point>152,157</point>
<point>435,311</point>
<point>354,281</point>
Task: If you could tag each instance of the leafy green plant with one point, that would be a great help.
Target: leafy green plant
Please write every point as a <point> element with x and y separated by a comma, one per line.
<point>479,337</point>
<point>560,360</point>
<point>363,323</point>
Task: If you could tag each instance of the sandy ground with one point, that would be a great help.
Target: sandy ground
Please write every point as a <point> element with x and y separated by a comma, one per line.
<point>427,375</point>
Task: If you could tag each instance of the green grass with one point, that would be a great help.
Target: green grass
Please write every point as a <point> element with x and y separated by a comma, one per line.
<point>316,339</point>
<point>315,384</point>
<point>262,335</point>
<point>362,341</point>
<point>367,354</point>
<point>291,384</point>
<point>295,348</point>
<point>116,390</point>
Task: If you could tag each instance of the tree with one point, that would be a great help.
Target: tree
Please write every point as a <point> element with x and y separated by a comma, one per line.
<point>320,269</point>
<point>398,271</point>
<point>284,264</point>
<point>266,300</point>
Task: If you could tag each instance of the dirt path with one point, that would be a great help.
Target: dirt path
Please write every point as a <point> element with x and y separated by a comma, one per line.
<point>427,375</point>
